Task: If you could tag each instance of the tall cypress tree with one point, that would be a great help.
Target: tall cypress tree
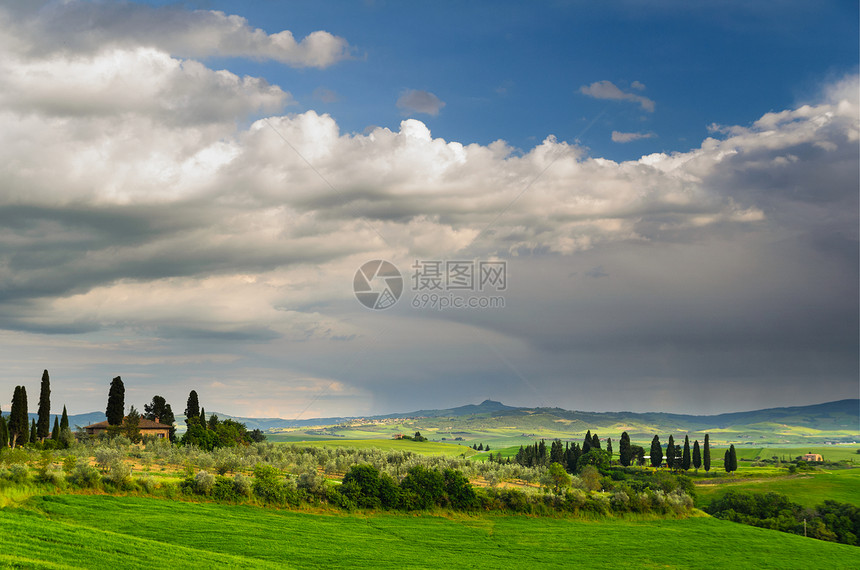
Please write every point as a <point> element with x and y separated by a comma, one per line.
<point>609,447</point>
<point>55,433</point>
<point>706,460</point>
<point>697,455</point>
<point>656,452</point>
<point>43,426</point>
<point>192,407</point>
<point>586,443</point>
<point>625,453</point>
<point>116,402</point>
<point>670,453</point>
<point>18,425</point>
<point>733,458</point>
<point>727,462</point>
<point>33,438</point>
<point>685,458</point>
<point>595,442</point>
<point>64,420</point>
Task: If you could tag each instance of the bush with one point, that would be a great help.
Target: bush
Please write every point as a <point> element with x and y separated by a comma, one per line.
<point>84,476</point>
<point>118,473</point>
<point>241,485</point>
<point>203,483</point>
<point>270,488</point>
<point>18,473</point>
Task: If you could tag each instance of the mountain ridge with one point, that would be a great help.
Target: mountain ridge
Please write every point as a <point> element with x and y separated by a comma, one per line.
<point>815,416</point>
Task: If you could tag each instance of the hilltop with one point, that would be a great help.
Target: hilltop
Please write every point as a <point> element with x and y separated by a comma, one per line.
<point>490,420</point>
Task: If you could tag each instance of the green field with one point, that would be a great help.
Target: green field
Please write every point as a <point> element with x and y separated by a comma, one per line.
<point>422,447</point>
<point>805,488</point>
<point>95,531</point>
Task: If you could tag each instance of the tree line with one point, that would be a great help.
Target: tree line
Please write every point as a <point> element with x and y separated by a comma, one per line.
<point>574,457</point>
<point>18,429</point>
<point>208,433</point>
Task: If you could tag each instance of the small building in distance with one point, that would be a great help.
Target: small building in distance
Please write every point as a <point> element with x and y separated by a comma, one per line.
<point>812,457</point>
<point>147,428</point>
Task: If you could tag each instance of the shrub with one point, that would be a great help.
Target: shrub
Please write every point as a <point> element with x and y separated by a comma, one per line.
<point>270,488</point>
<point>241,485</point>
<point>118,473</point>
<point>203,483</point>
<point>18,473</point>
<point>84,476</point>
<point>426,488</point>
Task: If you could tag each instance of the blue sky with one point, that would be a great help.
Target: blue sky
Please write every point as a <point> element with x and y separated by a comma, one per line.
<point>190,189</point>
<point>513,70</point>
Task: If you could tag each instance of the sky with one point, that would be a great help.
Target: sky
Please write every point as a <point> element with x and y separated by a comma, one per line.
<point>643,206</point>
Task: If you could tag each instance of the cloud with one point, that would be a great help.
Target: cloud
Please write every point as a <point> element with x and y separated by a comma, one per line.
<point>416,101</point>
<point>141,81</point>
<point>78,27</point>
<point>620,137</point>
<point>325,95</point>
<point>608,90</point>
<point>136,205</point>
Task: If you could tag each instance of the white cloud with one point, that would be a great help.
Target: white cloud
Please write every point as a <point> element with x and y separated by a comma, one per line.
<point>416,101</point>
<point>142,81</point>
<point>620,137</point>
<point>608,90</point>
<point>77,27</point>
<point>135,201</point>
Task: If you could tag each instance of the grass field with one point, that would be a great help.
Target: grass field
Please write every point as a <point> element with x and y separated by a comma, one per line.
<point>807,488</point>
<point>422,447</point>
<point>94,531</point>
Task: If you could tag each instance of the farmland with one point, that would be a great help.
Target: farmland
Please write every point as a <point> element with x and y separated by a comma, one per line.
<point>97,531</point>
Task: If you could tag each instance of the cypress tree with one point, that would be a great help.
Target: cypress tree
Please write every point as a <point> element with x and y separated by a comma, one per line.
<point>609,448</point>
<point>586,443</point>
<point>43,426</point>
<point>556,452</point>
<point>697,455</point>
<point>202,419</point>
<point>33,438</point>
<point>733,457</point>
<point>685,458</point>
<point>706,460</point>
<point>595,442</point>
<point>18,425</point>
<point>64,421</point>
<point>55,433</point>
<point>727,462</point>
<point>670,453</point>
<point>116,402</point>
<point>192,407</point>
<point>4,433</point>
<point>656,452</point>
<point>625,453</point>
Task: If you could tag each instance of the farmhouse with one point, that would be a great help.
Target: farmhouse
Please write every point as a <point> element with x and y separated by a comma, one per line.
<point>812,457</point>
<point>147,428</point>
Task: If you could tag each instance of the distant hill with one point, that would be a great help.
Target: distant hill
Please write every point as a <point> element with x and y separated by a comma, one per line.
<point>76,419</point>
<point>831,421</point>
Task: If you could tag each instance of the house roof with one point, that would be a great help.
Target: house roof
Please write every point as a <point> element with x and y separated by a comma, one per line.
<point>144,424</point>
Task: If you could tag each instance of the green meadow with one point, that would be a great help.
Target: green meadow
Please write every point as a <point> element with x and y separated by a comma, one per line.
<point>422,447</point>
<point>97,531</point>
<point>805,488</point>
